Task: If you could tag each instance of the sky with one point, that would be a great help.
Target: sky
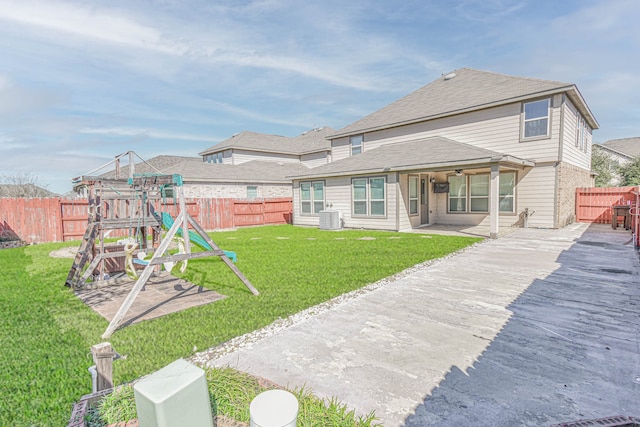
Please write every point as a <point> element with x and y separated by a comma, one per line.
<point>84,81</point>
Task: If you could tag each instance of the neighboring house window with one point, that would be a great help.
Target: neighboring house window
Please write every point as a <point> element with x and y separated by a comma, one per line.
<point>311,197</point>
<point>536,118</point>
<point>413,195</point>
<point>213,158</point>
<point>369,196</point>
<point>477,198</point>
<point>356,144</point>
<point>479,193</point>
<point>252,192</point>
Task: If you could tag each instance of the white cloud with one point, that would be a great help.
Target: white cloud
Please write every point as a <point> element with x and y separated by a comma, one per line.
<point>151,133</point>
<point>83,21</point>
<point>15,99</point>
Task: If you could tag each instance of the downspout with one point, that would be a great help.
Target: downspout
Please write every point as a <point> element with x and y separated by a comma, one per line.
<point>397,201</point>
<point>556,193</point>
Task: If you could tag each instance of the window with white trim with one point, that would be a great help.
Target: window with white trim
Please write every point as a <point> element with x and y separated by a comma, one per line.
<point>413,195</point>
<point>507,201</point>
<point>457,193</point>
<point>369,196</point>
<point>213,158</point>
<point>356,144</point>
<point>536,118</point>
<point>311,197</point>
<point>479,193</point>
<point>476,199</point>
<point>252,192</point>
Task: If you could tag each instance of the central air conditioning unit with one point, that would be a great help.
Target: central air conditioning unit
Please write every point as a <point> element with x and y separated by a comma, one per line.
<point>330,220</point>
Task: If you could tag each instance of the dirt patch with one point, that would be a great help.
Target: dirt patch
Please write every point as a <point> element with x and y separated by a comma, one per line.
<point>69,252</point>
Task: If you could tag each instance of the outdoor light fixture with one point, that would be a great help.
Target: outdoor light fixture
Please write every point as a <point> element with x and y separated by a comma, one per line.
<point>458,172</point>
<point>432,179</point>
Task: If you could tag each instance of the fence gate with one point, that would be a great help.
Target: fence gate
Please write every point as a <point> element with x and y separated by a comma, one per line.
<point>593,205</point>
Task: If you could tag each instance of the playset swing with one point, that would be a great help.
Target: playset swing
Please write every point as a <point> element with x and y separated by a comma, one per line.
<point>128,204</point>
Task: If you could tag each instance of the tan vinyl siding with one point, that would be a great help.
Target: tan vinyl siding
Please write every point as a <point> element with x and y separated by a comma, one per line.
<point>340,149</point>
<point>495,129</point>
<point>243,156</point>
<point>536,190</point>
<point>406,222</point>
<point>315,159</point>
<point>338,196</point>
<point>570,153</point>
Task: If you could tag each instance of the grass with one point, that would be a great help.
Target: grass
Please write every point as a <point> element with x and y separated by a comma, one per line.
<point>231,393</point>
<point>46,332</point>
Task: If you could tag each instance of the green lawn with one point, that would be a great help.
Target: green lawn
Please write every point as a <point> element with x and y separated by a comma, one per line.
<point>46,332</point>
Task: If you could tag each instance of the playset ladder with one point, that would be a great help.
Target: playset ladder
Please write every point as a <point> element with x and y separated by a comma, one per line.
<point>84,252</point>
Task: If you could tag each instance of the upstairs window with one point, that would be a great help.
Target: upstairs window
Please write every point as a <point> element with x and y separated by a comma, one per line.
<point>356,144</point>
<point>311,197</point>
<point>536,118</point>
<point>213,158</point>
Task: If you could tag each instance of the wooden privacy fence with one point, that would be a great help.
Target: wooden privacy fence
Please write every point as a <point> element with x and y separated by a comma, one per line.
<point>594,204</point>
<point>37,220</point>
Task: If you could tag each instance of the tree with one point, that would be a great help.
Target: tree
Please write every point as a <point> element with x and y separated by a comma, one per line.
<point>22,185</point>
<point>605,166</point>
<point>630,173</point>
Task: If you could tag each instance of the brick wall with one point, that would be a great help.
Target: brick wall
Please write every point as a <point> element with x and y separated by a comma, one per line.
<point>569,177</point>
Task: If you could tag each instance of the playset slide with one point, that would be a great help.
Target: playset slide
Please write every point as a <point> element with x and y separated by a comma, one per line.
<point>167,222</point>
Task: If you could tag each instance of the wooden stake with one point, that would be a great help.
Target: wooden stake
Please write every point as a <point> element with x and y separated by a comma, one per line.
<point>103,355</point>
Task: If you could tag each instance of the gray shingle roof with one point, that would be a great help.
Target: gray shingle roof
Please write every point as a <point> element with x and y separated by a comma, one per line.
<point>254,171</point>
<point>467,90</point>
<point>628,146</point>
<point>310,141</point>
<point>159,163</point>
<point>425,153</point>
<point>25,190</point>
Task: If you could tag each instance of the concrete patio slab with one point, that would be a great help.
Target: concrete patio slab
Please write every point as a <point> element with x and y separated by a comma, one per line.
<point>535,328</point>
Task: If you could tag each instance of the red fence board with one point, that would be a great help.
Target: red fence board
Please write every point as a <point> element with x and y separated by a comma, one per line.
<point>594,204</point>
<point>37,220</point>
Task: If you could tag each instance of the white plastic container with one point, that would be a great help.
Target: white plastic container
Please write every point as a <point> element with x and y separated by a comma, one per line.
<point>274,408</point>
<point>175,396</point>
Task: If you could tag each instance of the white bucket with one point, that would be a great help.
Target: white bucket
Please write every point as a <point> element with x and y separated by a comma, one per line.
<point>274,408</point>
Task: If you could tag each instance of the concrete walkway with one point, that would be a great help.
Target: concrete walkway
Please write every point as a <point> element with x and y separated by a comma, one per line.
<point>535,328</point>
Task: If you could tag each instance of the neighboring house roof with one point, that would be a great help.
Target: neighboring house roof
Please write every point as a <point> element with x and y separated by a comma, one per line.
<point>613,152</point>
<point>194,169</point>
<point>425,153</point>
<point>158,164</point>
<point>255,171</point>
<point>628,146</point>
<point>310,141</point>
<point>462,91</point>
<point>25,190</point>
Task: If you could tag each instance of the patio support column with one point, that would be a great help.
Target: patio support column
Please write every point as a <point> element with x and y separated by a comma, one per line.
<point>494,201</point>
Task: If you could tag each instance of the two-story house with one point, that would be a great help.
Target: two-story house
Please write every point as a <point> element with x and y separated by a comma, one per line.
<point>311,148</point>
<point>472,147</point>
